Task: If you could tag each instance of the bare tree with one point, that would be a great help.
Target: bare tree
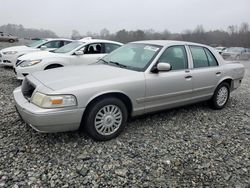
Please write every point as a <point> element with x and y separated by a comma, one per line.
<point>76,35</point>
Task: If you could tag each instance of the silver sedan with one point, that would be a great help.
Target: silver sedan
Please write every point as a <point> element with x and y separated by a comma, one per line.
<point>138,78</point>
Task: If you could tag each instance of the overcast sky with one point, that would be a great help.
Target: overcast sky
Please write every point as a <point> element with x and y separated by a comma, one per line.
<point>62,16</point>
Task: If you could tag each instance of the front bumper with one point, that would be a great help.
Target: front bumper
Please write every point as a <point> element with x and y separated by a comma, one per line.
<point>19,74</point>
<point>7,60</point>
<point>47,120</point>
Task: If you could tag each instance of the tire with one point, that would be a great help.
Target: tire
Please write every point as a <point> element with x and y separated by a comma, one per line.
<point>221,96</point>
<point>11,40</point>
<point>237,57</point>
<point>53,66</point>
<point>109,129</point>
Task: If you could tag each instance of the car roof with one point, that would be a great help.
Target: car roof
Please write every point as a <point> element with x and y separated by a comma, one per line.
<point>51,39</point>
<point>168,42</point>
<point>90,40</point>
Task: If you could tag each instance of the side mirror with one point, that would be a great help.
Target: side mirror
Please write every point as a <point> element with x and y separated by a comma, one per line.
<point>163,66</point>
<point>43,47</point>
<point>79,53</point>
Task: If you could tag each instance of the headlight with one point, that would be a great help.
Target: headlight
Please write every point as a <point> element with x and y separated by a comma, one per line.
<point>27,63</point>
<point>53,101</point>
<point>10,53</point>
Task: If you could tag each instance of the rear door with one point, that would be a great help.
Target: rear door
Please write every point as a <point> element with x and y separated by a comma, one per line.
<point>206,72</point>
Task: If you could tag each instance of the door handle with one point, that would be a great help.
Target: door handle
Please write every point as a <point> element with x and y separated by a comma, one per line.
<point>188,77</point>
<point>218,73</point>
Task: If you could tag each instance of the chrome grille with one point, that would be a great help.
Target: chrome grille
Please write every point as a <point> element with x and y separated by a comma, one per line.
<point>27,88</point>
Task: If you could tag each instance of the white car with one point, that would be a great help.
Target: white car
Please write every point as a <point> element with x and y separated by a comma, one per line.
<point>220,49</point>
<point>8,56</point>
<point>84,51</point>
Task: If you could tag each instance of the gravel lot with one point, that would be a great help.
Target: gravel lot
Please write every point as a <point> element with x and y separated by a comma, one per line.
<point>192,146</point>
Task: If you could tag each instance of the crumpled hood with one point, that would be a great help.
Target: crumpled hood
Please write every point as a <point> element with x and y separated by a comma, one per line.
<point>40,55</point>
<point>18,49</point>
<point>87,75</point>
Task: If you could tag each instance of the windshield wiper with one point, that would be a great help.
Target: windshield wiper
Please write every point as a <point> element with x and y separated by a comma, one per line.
<point>118,64</point>
<point>104,61</point>
<point>114,63</point>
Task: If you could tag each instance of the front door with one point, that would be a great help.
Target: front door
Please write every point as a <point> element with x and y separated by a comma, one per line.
<point>91,54</point>
<point>171,88</point>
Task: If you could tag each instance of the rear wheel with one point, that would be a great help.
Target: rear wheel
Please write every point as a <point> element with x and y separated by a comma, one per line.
<point>105,119</point>
<point>221,96</point>
<point>53,66</point>
<point>11,40</point>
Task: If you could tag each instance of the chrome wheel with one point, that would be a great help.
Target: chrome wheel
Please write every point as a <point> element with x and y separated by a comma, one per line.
<point>222,96</point>
<point>108,120</point>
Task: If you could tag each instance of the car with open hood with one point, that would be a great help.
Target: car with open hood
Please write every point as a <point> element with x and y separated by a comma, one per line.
<point>135,79</point>
<point>8,56</point>
<point>84,51</point>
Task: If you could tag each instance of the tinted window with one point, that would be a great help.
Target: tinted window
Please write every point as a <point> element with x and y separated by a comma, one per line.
<point>199,57</point>
<point>176,56</point>
<point>110,47</point>
<point>211,59</point>
<point>96,48</point>
<point>53,44</point>
<point>66,42</point>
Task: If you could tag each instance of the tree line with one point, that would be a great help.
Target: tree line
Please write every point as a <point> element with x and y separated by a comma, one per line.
<point>21,32</point>
<point>233,36</point>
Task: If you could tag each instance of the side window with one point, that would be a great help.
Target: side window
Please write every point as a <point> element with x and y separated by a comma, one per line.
<point>52,44</point>
<point>211,59</point>
<point>65,42</point>
<point>109,47</point>
<point>176,56</point>
<point>199,57</point>
<point>96,48</point>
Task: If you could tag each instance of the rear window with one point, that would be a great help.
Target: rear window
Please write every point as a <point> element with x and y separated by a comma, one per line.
<point>202,57</point>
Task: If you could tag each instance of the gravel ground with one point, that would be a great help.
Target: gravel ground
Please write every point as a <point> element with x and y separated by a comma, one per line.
<point>191,146</point>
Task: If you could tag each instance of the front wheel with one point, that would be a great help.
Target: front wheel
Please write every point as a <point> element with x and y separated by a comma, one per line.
<point>221,96</point>
<point>105,118</point>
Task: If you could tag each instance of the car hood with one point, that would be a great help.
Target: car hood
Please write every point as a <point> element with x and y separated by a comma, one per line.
<point>18,48</point>
<point>87,75</point>
<point>40,55</point>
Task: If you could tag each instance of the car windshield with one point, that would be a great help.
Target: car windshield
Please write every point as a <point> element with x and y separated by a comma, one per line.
<point>69,47</point>
<point>134,56</point>
<point>37,43</point>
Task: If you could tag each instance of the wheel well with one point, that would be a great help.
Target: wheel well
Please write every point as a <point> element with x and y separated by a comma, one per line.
<point>53,66</point>
<point>229,81</point>
<point>124,98</point>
